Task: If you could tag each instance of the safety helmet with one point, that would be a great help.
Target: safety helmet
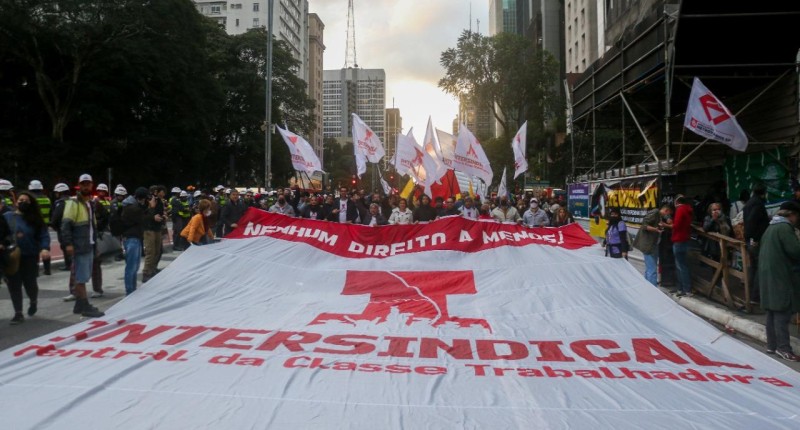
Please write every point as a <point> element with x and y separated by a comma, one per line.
<point>61,188</point>
<point>184,194</point>
<point>227,190</point>
<point>120,191</point>
<point>102,187</point>
<point>35,185</point>
<point>5,185</point>
<point>218,188</point>
<point>176,190</point>
<point>85,178</point>
<point>197,193</point>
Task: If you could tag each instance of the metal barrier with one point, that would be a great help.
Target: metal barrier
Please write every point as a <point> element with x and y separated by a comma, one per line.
<point>733,294</point>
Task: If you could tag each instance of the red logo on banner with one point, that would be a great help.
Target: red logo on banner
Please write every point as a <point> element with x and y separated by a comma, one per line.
<point>293,139</point>
<point>471,152</point>
<point>418,296</point>
<point>710,103</point>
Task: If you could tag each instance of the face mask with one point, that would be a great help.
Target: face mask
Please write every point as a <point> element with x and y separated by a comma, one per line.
<point>534,205</point>
<point>207,213</point>
<point>23,206</point>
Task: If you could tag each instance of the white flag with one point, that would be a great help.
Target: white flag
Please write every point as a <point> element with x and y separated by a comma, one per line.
<point>431,146</point>
<point>469,156</point>
<point>518,145</point>
<point>408,158</point>
<point>387,189</point>
<point>502,190</point>
<point>303,157</point>
<point>366,142</point>
<point>447,144</point>
<point>708,117</point>
<point>361,165</point>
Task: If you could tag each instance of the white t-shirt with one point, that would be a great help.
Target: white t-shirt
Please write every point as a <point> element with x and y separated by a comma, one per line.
<point>342,210</point>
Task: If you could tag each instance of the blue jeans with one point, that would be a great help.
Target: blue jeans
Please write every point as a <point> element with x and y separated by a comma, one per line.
<point>681,251</point>
<point>133,259</point>
<point>651,267</point>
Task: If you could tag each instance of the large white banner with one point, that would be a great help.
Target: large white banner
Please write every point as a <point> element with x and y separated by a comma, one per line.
<point>303,324</point>
<point>708,117</point>
<point>469,156</point>
<point>303,157</point>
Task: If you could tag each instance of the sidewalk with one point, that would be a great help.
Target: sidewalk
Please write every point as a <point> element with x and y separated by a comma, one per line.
<point>751,325</point>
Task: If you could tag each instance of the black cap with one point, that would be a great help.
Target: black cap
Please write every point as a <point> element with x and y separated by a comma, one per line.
<point>790,205</point>
<point>141,193</point>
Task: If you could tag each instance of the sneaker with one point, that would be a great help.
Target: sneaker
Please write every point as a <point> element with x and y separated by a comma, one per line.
<point>788,356</point>
<point>96,295</point>
<point>18,319</point>
<point>69,298</point>
<point>90,311</point>
<point>770,351</point>
<point>680,294</point>
<point>32,309</point>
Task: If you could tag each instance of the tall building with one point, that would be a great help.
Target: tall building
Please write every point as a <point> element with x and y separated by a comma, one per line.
<point>583,33</point>
<point>502,16</point>
<point>316,49</point>
<point>289,21</point>
<point>394,126</point>
<point>479,120</point>
<point>353,90</point>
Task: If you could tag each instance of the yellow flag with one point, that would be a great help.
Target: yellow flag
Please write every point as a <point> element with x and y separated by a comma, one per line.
<point>408,189</point>
<point>471,191</point>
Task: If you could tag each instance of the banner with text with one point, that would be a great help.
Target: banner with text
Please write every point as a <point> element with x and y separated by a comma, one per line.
<point>316,325</point>
<point>578,200</point>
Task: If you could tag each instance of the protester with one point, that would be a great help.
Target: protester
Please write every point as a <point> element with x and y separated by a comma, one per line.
<point>449,208</point>
<point>79,232</point>
<point>115,217</point>
<point>535,216</point>
<point>45,205</point>
<point>7,197</point>
<point>485,213</point>
<point>738,205</point>
<point>401,215</point>
<point>506,213</point>
<point>779,252</point>
<point>562,217</point>
<point>425,212</point>
<point>374,217</point>
<point>135,216</point>
<point>756,221</point>
<point>314,209</point>
<point>358,200</point>
<point>30,234</point>
<point>343,209</point>
<point>61,195</point>
<point>681,231</point>
<point>198,231</point>
<point>469,211</point>
<point>616,237</point>
<point>153,241</point>
<point>282,207</point>
<point>715,222</point>
<point>647,241</point>
<point>232,212</point>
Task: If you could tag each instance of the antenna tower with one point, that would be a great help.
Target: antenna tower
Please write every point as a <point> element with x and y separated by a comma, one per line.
<point>350,52</point>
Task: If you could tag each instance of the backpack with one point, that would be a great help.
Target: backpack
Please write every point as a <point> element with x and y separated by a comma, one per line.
<point>115,222</point>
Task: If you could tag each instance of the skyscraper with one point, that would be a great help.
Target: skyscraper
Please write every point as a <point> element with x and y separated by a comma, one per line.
<point>502,16</point>
<point>353,90</point>
<point>394,126</point>
<point>316,48</point>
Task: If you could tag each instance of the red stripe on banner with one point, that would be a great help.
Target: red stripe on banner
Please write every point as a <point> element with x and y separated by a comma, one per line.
<point>450,234</point>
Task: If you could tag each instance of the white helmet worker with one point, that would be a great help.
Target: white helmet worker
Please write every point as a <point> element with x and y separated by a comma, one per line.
<point>218,188</point>
<point>35,185</point>
<point>197,193</point>
<point>176,190</point>
<point>102,187</point>
<point>184,194</point>
<point>5,185</point>
<point>120,191</point>
<point>61,187</point>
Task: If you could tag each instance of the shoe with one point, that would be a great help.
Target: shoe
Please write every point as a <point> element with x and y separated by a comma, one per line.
<point>47,272</point>
<point>680,294</point>
<point>90,311</point>
<point>788,356</point>
<point>32,309</point>
<point>69,298</point>
<point>96,295</point>
<point>769,351</point>
<point>18,319</point>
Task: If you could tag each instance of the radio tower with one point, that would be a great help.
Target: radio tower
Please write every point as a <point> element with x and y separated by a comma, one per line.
<point>350,51</point>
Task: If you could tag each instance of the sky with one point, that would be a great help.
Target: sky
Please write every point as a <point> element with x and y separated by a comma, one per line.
<point>406,39</point>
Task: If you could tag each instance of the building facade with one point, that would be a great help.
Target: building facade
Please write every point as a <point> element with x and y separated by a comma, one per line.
<point>316,49</point>
<point>394,126</point>
<point>353,90</point>
<point>583,33</point>
<point>289,21</point>
<point>478,119</point>
<point>502,16</point>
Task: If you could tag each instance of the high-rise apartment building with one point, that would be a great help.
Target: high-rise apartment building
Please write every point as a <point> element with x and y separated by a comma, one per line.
<point>583,33</point>
<point>353,90</point>
<point>289,21</point>
<point>502,16</point>
<point>394,126</point>
<point>478,119</point>
<point>316,49</point>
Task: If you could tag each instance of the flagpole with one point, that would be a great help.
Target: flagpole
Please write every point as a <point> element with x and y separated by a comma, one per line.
<point>267,132</point>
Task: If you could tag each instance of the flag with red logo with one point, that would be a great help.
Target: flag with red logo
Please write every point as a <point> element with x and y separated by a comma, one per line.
<point>447,144</point>
<point>708,117</point>
<point>303,157</point>
<point>431,146</point>
<point>502,189</point>
<point>469,156</point>
<point>296,323</point>
<point>408,157</point>
<point>518,146</point>
<point>366,142</point>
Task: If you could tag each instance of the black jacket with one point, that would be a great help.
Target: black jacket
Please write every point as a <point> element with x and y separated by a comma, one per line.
<point>425,213</point>
<point>231,213</point>
<point>319,212</point>
<point>352,211</point>
<point>134,217</point>
<point>756,219</point>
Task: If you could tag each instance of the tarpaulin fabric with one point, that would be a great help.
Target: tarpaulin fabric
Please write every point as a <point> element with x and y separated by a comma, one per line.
<point>468,324</point>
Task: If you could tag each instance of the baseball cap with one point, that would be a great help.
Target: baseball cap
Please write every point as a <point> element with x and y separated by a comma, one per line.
<point>85,178</point>
<point>121,191</point>
<point>5,185</point>
<point>35,185</point>
<point>102,187</point>
<point>61,187</point>
<point>141,193</point>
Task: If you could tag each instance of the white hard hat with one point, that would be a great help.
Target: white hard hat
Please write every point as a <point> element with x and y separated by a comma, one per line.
<point>197,193</point>
<point>227,190</point>
<point>120,191</point>
<point>218,188</point>
<point>176,190</point>
<point>35,185</point>
<point>184,194</point>
<point>85,177</point>
<point>102,187</point>
<point>5,185</point>
<point>61,187</point>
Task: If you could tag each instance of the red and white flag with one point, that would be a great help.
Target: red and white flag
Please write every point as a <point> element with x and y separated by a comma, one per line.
<point>518,145</point>
<point>469,156</point>
<point>447,144</point>
<point>303,157</point>
<point>366,142</point>
<point>708,117</point>
<point>431,146</point>
<point>408,158</point>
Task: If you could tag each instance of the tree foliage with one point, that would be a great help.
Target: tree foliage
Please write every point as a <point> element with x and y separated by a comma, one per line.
<point>150,88</point>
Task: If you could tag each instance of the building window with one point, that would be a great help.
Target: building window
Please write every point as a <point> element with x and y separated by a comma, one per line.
<point>216,9</point>
<point>237,22</point>
<point>256,23</point>
<point>255,7</point>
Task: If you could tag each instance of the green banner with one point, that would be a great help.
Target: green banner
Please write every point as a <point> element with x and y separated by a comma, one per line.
<point>771,168</point>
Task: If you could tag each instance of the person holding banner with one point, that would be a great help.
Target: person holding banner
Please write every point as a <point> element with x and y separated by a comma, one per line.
<point>373,217</point>
<point>401,215</point>
<point>616,241</point>
<point>505,213</point>
<point>535,216</point>
<point>425,212</point>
